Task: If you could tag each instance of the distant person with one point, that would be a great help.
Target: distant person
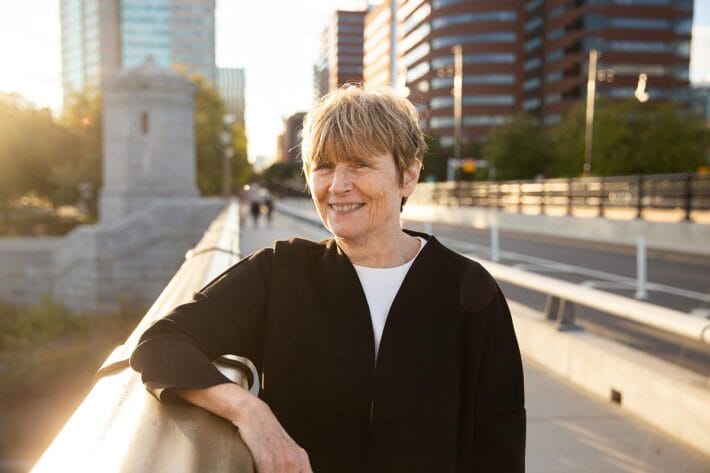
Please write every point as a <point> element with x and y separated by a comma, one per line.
<point>380,350</point>
<point>269,205</point>
<point>255,209</point>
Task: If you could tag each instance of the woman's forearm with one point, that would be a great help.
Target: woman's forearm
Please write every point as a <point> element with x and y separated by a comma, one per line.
<point>229,401</point>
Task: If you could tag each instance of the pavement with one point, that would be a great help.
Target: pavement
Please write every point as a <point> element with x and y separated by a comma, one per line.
<point>569,430</point>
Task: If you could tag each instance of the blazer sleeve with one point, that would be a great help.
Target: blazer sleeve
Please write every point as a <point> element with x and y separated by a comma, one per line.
<point>225,317</point>
<point>499,417</point>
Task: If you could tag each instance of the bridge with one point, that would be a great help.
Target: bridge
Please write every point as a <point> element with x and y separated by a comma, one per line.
<point>598,399</point>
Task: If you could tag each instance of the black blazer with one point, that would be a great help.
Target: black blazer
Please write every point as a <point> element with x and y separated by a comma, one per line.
<point>446,393</point>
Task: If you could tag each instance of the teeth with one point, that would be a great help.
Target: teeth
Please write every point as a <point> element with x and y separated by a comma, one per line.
<point>345,207</point>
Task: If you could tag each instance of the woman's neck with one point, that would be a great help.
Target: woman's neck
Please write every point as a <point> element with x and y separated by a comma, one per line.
<point>381,252</point>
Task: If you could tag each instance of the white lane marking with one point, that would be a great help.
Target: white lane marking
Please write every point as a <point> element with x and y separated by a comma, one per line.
<point>564,267</point>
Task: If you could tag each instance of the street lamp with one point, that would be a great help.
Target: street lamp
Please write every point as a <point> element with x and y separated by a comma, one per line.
<point>226,137</point>
<point>589,121</point>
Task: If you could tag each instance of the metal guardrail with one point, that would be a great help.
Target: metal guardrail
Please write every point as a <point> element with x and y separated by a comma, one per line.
<point>687,193</point>
<point>563,295</point>
<point>119,427</point>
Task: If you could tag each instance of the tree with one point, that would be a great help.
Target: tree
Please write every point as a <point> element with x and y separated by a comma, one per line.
<point>209,111</point>
<point>32,146</point>
<point>633,138</point>
<point>518,149</point>
<point>242,169</point>
<point>83,117</point>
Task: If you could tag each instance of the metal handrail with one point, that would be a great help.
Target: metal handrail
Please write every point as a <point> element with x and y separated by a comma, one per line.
<point>662,318</point>
<point>119,427</point>
<point>685,192</point>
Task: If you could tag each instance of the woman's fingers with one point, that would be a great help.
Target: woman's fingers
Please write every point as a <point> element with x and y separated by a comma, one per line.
<point>273,450</point>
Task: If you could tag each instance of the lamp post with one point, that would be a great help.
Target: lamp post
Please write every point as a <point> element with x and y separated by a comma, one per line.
<point>457,92</point>
<point>589,122</point>
<point>226,138</point>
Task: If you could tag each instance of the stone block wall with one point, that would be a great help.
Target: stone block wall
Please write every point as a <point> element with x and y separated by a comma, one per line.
<point>97,268</point>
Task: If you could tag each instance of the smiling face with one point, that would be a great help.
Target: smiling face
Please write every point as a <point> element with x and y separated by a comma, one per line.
<point>359,199</point>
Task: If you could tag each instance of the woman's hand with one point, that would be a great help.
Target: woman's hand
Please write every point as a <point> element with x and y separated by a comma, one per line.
<point>272,449</point>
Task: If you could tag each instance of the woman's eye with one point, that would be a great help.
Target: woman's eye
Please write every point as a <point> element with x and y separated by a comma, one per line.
<point>362,164</point>
<point>321,166</point>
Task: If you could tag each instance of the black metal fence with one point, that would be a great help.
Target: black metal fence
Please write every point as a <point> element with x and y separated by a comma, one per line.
<point>685,193</point>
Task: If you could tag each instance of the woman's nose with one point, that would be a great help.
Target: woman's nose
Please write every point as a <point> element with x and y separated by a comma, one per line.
<point>341,181</point>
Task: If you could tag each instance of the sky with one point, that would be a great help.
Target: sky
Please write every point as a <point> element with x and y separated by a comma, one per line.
<point>276,41</point>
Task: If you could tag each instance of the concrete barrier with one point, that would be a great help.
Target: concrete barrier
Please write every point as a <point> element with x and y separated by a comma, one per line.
<point>672,399</point>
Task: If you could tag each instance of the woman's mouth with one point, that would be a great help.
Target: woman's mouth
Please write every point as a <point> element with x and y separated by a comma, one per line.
<point>345,208</point>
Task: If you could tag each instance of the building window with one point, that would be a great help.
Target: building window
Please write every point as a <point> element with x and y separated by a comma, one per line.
<point>552,99</point>
<point>553,119</point>
<point>554,76</point>
<point>533,43</point>
<point>555,34</point>
<point>533,23</point>
<point>639,23</point>
<point>495,37</point>
<point>555,55</point>
<point>532,63</point>
<point>474,17</point>
<point>480,58</point>
<point>531,84</point>
<point>531,103</point>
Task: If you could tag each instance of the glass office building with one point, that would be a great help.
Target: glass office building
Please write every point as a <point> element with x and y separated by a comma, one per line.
<point>100,37</point>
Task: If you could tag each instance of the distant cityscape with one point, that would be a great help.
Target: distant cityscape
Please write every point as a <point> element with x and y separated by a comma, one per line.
<point>517,56</point>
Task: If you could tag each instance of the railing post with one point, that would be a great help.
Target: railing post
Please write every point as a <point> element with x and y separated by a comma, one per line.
<point>641,269</point>
<point>495,242</point>
<point>565,316</point>
<point>552,305</point>
<point>542,198</point>
<point>688,196</point>
<point>601,196</point>
<point>570,196</point>
<point>520,196</point>
<point>639,197</point>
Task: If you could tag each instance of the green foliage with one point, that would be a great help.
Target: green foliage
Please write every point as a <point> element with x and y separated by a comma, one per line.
<point>284,179</point>
<point>82,116</point>
<point>518,149</point>
<point>41,323</point>
<point>632,138</point>
<point>209,110</point>
<point>434,160</point>
<point>242,169</point>
<point>32,145</point>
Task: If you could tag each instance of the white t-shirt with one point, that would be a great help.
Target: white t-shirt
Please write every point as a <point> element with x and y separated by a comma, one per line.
<point>381,286</point>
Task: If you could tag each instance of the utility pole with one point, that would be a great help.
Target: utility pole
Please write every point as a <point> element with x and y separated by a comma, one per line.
<point>393,44</point>
<point>226,135</point>
<point>457,92</point>
<point>589,128</point>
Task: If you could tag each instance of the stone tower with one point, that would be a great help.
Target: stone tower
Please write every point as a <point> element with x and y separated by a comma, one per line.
<point>149,140</point>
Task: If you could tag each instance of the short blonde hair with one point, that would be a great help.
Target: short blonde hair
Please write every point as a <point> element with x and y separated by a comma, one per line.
<point>351,123</point>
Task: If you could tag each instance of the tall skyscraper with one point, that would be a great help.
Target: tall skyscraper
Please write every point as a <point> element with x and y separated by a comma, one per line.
<point>525,55</point>
<point>341,52</point>
<point>100,37</point>
<point>230,84</point>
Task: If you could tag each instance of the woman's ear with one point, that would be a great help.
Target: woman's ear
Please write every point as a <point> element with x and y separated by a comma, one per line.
<point>410,178</point>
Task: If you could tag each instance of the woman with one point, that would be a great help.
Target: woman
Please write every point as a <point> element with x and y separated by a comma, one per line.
<point>380,350</point>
